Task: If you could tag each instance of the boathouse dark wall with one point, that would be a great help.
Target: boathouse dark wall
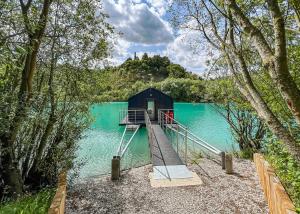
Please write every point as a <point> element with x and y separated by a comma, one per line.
<point>140,100</point>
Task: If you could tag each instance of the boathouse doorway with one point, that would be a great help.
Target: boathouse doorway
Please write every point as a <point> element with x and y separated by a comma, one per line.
<point>151,109</point>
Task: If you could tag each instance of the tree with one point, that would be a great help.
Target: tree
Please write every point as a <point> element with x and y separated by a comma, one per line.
<point>247,51</point>
<point>145,57</point>
<point>176,71</point>
<point>52,45</point>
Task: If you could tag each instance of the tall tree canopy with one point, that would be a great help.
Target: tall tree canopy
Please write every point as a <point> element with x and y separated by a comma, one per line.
<point>46,48</point>
<point>254,39</point>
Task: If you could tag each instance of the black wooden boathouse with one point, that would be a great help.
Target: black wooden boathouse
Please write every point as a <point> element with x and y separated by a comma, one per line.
<point>150,100</point>
<point>154,109</point>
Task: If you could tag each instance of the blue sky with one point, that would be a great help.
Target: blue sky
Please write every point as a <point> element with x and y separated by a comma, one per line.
<point>144,28</point>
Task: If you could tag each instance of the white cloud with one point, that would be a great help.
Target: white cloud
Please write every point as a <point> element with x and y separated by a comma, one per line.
<point>160,6</point>
<point>137,22</point>
<point>120,51</point>
<point>142,25</point>
<point>188,51</point>
<point>150,54</point>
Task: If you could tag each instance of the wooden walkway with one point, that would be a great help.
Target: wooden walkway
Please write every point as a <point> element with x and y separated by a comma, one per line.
<point>162,151</point>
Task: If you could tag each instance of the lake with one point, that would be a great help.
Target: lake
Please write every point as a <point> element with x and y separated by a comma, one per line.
<point>100,143</point>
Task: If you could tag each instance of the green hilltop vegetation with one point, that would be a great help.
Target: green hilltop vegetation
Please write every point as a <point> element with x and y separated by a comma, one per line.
<point>120,82</point>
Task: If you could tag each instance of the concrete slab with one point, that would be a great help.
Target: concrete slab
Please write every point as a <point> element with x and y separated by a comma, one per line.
<point>171,172</point>
<point>195,180</point>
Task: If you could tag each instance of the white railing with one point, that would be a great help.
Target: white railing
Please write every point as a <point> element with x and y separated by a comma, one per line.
<point>131,116</point>
<point>153,140</point>
<point>167,122</point>
<point>121,151</point>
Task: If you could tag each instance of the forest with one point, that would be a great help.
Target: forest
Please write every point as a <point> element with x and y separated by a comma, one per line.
<point>52,68</point>
<point>120,82</point>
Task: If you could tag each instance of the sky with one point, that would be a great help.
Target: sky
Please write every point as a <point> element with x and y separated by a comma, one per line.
<point>145,28</point>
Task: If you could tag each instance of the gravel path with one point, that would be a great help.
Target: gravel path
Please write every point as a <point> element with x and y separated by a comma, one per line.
<point>219,193</point>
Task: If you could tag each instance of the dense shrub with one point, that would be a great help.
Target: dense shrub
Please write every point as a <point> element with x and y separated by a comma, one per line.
<point>286,168</point>
<point>38,203</point>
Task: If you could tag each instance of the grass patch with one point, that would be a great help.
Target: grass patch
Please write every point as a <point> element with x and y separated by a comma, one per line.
<point>31,204</point>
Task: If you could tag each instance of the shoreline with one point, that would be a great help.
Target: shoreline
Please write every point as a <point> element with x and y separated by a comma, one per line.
<point>219,193</point>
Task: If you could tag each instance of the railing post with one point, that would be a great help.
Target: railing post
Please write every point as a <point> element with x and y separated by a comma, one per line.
<point>223,159</point>
<point>228,164</point>
<point>185,150</point>
<point>163,121</point>
<point>158,117</point>
<point>115,168</point>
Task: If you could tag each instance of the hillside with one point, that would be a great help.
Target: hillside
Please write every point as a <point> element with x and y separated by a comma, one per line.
<point>120,82</point>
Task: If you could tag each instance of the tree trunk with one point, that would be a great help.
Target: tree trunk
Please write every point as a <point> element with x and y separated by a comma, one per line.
<point>275,61</point>
<point>264,112</point>
<point>10,173</point>
<point>279,70</point>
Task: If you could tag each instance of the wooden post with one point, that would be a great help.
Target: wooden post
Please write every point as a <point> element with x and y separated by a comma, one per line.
<point>115,168</point>
<point>185,150</point>
<point>223,159</point>
<point>228,164</point>
<point>58,202</point>
<point>275,194</point>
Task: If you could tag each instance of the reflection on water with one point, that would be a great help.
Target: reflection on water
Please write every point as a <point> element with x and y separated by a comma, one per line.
<point>100,143</point>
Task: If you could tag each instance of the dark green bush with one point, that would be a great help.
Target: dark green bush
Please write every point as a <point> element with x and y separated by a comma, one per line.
<point>38,203</point>
<point>286,169</point>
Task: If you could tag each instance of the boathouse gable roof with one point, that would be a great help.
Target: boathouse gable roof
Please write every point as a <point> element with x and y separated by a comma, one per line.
<point>139,100</point>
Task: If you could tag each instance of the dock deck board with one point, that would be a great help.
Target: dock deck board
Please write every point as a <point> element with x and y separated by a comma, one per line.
<point>162,150</point>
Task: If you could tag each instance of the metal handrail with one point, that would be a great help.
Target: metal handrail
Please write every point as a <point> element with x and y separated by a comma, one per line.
<point>121,142</point>
<point>126,147</point>
<point>196,139</point>
<point>151,133</point>
<point>121,152</point>
<point>131,115</point>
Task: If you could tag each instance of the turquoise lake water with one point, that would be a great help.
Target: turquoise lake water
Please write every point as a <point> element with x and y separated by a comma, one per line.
<point>100,143</point>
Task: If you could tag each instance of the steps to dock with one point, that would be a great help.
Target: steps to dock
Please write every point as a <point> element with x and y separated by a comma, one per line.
<point>171,171</point>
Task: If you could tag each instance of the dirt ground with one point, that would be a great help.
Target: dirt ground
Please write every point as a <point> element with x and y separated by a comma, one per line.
<point>219,193</point>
